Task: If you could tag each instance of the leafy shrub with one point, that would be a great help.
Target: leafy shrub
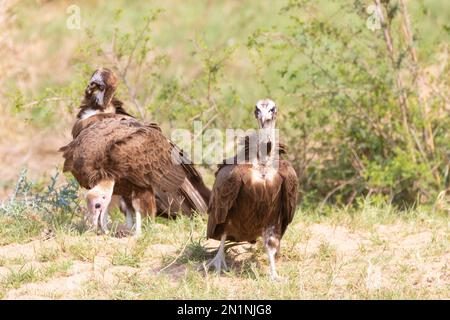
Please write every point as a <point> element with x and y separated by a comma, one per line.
<point>32,208</point>
<point>360,121</point>
<point>364,112</point>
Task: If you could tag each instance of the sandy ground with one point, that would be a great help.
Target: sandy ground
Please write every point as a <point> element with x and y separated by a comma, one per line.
<point>380,258</point>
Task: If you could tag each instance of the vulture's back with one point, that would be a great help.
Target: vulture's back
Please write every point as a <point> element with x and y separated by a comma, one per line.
<point>122,148</point>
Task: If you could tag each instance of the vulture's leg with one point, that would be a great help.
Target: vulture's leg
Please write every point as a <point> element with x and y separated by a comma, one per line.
<point>143,202</point>
<point>150,204</point>
<point>136,203</point>
<point>272,244</point>
<point>138,219</point>
<point>104,221</point>
<point>129,219</point>
<point>219,260</point>
<point>128,211</point>
<point>137,216</point>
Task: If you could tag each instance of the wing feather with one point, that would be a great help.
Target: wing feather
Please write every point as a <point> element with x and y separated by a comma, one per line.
<point>144,157</point>
<point>226,188</point>
<point>120,147</point>
<point>289,189</point>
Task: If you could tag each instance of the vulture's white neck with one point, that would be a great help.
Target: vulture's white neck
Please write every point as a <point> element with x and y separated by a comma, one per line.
<point>267,140</point>
<point>88,113</point>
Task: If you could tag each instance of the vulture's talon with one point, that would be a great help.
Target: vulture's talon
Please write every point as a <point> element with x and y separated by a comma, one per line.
<point>218,262</point>
<point>276,278</point>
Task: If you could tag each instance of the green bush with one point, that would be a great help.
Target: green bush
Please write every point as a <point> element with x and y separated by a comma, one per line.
<point>359,121</point>
<point>363,111</point>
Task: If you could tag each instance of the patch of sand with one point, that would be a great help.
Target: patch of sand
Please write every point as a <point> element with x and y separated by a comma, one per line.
<point>377,266</point>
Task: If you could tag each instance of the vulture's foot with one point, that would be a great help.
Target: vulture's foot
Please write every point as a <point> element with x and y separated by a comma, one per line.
<point>275,277</point>
<point>218,262</point>
<point>104,229</point>
<point>122,231</point>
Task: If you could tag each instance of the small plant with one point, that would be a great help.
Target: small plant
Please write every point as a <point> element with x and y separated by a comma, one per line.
<point>15,279</point>
<point>82,250</point>
<point>125,258</point>
<point>32,208</point>
<point>326,252</point>
<point>53,269</point>
<point>47,254</point>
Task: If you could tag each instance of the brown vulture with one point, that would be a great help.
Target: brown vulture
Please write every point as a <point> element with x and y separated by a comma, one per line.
<point>99,113</point>
<point>256,196</point>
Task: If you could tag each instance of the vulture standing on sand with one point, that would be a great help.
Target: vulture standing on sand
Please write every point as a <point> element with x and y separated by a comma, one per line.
<point>113,153</point>
<point>254,198</point>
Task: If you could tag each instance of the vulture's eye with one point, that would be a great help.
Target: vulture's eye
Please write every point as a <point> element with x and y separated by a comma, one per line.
<point>272,110</point>
<point>101,86</point>
<point>104,197</point>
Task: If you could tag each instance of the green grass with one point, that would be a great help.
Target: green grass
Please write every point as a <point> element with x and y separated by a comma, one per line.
<point>58,268</point>
<point>17,230</point>
<point>82,250</point>
<point>122,257</point>
<point>325,254</point>
<point>28,274</point>
<point>47,254</point>
<point>17,278</point>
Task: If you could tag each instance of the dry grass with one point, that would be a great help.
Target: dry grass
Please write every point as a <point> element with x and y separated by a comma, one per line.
<point>399,259</point>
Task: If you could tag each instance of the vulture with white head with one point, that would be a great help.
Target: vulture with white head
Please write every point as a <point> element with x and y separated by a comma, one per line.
<point>102,131</point>
<point>254,195</point>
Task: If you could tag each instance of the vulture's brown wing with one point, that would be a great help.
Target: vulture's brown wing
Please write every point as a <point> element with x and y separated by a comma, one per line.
<point>192,194</point>
<point>78,127</point>
<point>85,154</point>
<point>226,188</point>
<point>289,191</point>
<point>145,158</point>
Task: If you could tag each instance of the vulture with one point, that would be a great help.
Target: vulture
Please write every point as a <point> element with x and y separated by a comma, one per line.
<point>254,195</point>
<point>96,157</point>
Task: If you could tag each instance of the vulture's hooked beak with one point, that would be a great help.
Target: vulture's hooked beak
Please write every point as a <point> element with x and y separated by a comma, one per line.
<point>266,120</point>
<point>96,216</point>
<point>90,88</point>
<point>99,218</point>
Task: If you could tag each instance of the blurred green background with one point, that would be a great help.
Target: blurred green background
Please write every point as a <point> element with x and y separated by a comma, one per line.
<point>360,119</point>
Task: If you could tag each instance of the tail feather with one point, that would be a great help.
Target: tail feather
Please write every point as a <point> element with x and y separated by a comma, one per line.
<point>194,197</point>
<point>193,194</point>
<point>186,199</point>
